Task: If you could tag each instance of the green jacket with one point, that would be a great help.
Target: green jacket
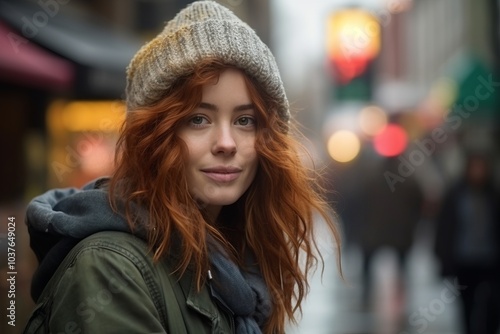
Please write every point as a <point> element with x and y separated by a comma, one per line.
<point>108,283</point>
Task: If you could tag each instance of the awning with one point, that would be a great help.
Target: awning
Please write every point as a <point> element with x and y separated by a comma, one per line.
<point>100,53</point>
<point>25,63</point>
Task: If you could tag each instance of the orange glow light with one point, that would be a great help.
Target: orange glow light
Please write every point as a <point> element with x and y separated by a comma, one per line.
<point>352,41</point>
<point>372,120</point>
<point>353,32</point>
<point>343,146</point>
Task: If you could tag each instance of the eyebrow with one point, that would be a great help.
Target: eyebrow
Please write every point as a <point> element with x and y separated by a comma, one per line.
<point>213,107</point>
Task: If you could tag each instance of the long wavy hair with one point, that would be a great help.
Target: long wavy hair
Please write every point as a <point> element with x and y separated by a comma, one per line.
<point>276,216</point>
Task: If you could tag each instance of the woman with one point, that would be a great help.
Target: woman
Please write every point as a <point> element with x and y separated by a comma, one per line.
<point>206,222</point>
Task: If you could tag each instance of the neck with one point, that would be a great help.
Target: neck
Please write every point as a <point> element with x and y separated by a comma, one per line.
<point>212,212</point>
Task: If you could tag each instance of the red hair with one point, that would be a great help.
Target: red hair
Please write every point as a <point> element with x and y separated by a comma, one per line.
<point>276,214</point>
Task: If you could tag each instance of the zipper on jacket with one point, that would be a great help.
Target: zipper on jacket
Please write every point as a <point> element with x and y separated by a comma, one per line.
<point>219,301</point>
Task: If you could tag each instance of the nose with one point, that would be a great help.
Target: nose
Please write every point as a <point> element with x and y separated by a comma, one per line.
<point>224,142</point>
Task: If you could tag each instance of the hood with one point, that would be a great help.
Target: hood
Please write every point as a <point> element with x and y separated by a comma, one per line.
<point>59,218</point>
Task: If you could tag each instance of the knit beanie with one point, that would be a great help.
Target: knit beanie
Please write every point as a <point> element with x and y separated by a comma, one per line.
<point>204,29</point>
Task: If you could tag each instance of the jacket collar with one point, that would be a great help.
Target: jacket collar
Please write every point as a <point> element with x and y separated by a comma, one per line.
<point>203,301</point>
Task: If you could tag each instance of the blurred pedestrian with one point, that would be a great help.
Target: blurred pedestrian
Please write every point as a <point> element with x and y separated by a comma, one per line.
<point>388,220</point>
<point>468,244</point>
<point>206,223</point>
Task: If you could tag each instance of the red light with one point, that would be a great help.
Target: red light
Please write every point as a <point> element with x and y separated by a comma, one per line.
<point>345,69</point>
<point>391,141</point>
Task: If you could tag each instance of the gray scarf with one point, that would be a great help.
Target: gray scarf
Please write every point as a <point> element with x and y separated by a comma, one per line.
<point>244,292</point>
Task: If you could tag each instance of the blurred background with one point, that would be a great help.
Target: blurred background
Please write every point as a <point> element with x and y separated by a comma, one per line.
<point>398,101</point>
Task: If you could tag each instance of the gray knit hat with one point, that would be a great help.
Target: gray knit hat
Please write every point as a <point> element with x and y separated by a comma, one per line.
<point>203,29</point>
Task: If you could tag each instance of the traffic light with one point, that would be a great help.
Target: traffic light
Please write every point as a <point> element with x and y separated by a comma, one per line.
<point>352,43</point>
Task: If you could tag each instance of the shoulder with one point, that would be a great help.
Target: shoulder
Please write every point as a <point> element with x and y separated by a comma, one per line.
<point>106,281</point>
<point>107,257</point>
<point>108,252</point>
<point>110,249</point>
<point>114,260</point>
<point>113,241</point>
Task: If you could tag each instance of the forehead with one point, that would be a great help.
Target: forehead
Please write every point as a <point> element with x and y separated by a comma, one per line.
<point>231,84</point>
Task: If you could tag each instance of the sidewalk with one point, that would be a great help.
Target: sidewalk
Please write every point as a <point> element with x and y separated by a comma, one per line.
<point>334,306</point>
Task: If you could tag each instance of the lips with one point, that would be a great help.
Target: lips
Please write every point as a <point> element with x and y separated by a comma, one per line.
<point>222,173</point>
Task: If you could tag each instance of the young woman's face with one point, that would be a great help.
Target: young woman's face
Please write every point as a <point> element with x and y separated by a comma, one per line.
<point>220,136</point>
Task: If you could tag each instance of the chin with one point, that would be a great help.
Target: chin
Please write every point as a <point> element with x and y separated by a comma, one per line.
<point>221,201</point>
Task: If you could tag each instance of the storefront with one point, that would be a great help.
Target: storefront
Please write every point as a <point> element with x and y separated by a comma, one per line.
<point>62,79</point>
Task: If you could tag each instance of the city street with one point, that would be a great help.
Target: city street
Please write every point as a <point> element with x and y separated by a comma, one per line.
<point>334,306</point>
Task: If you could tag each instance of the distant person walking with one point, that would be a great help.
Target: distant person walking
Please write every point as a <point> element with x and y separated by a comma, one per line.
<point>388,219</point>
<point>468,244</point>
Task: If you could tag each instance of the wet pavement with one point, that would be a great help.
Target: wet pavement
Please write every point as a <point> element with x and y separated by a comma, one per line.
<point>335,306</point>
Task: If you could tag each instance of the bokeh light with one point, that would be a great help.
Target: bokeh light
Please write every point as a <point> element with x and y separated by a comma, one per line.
<point>445,91</point>
<point>399,6</point>
<point>372,120</point>
<point>343,146</point>
<point>391,141</point>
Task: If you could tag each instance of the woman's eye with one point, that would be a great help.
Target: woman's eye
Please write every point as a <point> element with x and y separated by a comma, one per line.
<point>245,121</point>
<point>198,120</point>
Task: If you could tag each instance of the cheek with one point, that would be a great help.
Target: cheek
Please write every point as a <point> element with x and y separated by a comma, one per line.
<point>247,148</point>
<point>250,155</point>
<point>194,151</point>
